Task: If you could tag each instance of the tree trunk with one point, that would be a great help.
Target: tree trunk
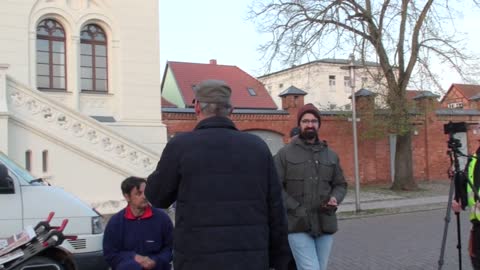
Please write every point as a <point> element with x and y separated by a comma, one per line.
<point>403,179</point>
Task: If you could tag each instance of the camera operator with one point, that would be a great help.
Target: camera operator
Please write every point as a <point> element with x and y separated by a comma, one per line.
<point>472,189</point>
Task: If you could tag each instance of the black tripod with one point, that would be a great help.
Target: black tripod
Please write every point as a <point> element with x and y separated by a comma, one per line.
<point>457,178</point>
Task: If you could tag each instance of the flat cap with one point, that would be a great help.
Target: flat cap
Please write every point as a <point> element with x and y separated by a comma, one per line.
<point>212,91</point>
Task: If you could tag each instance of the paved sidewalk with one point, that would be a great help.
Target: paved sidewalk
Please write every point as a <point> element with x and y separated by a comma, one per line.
<point>378,199</point>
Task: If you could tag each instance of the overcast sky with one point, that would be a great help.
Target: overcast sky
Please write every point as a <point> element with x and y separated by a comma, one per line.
<point>197,31</point>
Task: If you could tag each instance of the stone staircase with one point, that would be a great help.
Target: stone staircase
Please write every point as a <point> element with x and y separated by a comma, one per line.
<point>95,143</point>
<point>80,132</point>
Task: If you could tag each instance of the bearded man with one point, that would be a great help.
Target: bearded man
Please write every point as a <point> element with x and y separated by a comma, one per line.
<point>313,186</point>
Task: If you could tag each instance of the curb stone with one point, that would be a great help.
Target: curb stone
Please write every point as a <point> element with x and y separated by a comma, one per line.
<point>344,215</point>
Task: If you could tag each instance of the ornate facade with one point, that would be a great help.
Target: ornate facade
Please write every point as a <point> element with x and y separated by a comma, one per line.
<point>80,92</point>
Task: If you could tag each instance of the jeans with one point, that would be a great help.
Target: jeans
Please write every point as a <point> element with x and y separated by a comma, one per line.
<point>310,253</point>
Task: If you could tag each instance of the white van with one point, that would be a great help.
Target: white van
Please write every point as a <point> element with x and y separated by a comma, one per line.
<point>25,200</point>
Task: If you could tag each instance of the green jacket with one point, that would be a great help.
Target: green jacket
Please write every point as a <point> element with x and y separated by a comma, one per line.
<point>310,175</point>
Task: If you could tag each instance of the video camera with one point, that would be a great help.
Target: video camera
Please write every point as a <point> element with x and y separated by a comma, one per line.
<point>452,128</point>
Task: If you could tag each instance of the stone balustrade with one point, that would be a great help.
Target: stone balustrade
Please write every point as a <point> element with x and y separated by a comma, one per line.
<point>80,132</point>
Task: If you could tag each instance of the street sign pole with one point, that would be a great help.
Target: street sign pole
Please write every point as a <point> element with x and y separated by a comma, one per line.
<point>351,67</point>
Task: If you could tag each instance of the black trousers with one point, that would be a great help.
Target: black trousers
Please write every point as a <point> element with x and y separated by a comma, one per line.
<point>474,245</point>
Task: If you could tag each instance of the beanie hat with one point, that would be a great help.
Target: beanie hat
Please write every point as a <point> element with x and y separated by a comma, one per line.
<point>308,108</point>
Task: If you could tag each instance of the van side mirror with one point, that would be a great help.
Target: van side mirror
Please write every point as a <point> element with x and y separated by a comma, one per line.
<point>6,183</point>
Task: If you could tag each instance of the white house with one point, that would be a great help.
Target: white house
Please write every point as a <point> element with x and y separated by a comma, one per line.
<point>80,97</point>
<point>326,81</point>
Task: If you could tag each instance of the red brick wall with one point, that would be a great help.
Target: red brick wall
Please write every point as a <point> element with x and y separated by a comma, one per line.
<point>281,124</point>
<point>429,144</point>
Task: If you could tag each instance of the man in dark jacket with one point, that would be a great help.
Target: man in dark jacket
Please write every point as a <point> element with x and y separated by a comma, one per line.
<point>313,187</point>
<point>138,237</point>
<point>229,211</point>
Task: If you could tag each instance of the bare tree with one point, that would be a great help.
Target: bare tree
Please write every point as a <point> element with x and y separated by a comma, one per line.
<point>403,36</point>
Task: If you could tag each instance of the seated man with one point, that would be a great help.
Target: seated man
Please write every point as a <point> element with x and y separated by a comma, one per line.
<point>139,236</point>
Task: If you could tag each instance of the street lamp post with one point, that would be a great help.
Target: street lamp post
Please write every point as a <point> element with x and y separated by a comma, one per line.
<point>351,67</point>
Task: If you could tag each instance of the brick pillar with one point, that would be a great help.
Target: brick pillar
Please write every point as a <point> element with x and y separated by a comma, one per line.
<point>367,163</point>
<point>365,105</point>
<point>426,103</point>
<point>292,101</point>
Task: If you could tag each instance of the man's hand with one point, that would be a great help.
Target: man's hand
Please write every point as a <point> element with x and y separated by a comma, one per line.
<point>149,263</point>
<point>456,206</point>
<point>145,262</point>
<point>332,201</point>
<point>139,258</point>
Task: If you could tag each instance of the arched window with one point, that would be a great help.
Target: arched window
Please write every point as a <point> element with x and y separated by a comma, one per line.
<point>51,68</point>
<point>93,59</point>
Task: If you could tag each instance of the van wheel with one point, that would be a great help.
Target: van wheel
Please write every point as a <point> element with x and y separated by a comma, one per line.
<point>41,263</point>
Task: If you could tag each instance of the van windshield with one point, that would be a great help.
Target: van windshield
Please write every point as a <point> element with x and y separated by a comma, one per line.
<point>23,175</point>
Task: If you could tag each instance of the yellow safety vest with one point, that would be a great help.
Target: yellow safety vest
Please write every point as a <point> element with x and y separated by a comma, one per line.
<point>474,208</point>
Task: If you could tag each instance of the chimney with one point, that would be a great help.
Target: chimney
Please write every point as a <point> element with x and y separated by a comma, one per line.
<point>213,61</point>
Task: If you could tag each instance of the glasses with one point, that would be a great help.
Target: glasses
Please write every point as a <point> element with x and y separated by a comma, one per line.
<point>306,121</point>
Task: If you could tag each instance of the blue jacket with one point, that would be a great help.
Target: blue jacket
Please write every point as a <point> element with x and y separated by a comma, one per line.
<point>148,236</point>
<point>229,210</point>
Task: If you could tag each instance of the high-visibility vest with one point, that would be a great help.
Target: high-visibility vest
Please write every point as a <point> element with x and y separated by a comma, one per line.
<point>474,208</point>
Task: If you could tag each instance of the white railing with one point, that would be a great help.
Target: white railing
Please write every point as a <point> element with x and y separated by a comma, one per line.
<point>81,133</point>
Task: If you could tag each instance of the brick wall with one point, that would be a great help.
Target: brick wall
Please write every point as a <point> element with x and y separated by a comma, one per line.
<point>186,121</point>
<point>429,144</point>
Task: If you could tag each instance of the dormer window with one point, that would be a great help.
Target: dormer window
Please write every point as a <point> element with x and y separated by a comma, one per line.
<point>251,91</point>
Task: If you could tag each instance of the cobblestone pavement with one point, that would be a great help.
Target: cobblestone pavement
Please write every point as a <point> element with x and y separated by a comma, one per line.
<point>396,230</point>
<point>406,241</point>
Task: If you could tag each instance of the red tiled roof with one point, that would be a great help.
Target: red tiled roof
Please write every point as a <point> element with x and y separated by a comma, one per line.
<point>167,104</point>
<point>468,90</point>
<point>189,74</point>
